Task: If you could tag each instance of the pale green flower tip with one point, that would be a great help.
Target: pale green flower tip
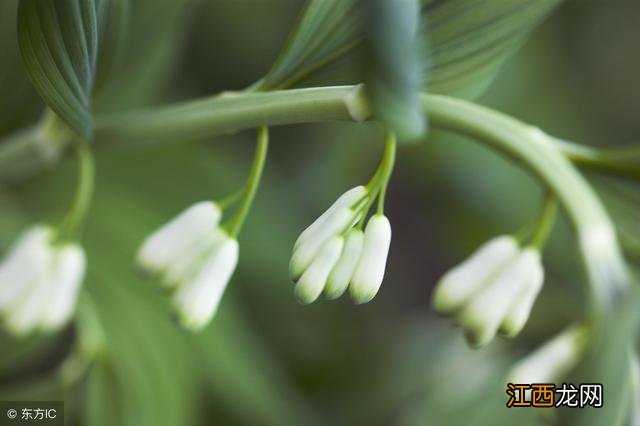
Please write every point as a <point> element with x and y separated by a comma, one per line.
<point>511,329</point>
<point>332,294</point>
<point>478,332</point>
<point>442,301</point>
<point>333,291</point>
<point>304,295</point>
<point>187,319</point>
<point>190,323</point>
<point>476,339</point>
<point>361,296</point>
<point>295,270</point>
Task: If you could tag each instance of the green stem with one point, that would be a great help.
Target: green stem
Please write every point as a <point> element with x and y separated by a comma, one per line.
<point>388,161</point>
<point>73,221</point>
<point>217,115</point>
<point>22,156</point>
<point>545,222</point>
<point>251,187</point>
<point>230,199</point>
<point>377,185</point>
<point>621,161</point>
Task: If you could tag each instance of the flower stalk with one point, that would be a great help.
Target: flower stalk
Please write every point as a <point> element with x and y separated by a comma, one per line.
<point>253,181</point>
<point>71,225</point>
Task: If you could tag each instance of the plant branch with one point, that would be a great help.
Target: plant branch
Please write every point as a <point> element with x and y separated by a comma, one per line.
<point>528,145</point>
<point>21,153</point>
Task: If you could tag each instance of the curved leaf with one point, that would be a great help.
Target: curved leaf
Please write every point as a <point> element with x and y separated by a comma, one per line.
<point>58,42</point>
<point>152,31</point>
<point>470,39</point>
<point>467,40</point>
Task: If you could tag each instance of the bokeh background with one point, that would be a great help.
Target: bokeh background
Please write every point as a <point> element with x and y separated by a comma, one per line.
<point>265,359</point>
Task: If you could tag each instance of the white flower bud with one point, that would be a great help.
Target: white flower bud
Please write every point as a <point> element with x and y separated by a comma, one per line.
<point>304,254</point>
<point>23,316</point>
<point>517,317</point>
<point>553,360</point>
<point>67,276</point>
<point>458,285</point>
<point>482,316</point>
<point>345,200</point>
<point>369,271</point>
<point>186,265</point>
<point>313,280</point>
<point>197,301</point>
<point>26,262</point>
<point>40,282</point>
<point>177,237</point>
<point>342,273</point>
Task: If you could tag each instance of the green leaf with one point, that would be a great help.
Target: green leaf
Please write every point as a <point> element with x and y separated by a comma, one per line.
<point>153,33</point>
<point>327,29</point>
<point>394,68</point>
<point>19,103</point>
<point>113,42</point>
<point>58,41</point>
<point>467,41</point>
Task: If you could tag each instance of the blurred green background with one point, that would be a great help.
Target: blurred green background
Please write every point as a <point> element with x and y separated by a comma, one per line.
<point>265,359</point>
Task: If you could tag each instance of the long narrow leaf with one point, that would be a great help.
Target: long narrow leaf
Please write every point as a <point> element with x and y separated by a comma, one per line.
<point>58,42</point>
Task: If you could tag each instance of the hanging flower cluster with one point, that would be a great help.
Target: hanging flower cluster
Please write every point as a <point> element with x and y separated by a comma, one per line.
<point>193,257</point>
<point>41,276</point>
<point>334,253</point>
<point>492,291</point>
<point>495,289</point>
<point>40,279</point>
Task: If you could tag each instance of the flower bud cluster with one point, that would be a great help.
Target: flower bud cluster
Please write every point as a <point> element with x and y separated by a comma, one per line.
<point>39,282</point>
<point>194,258</point>
<point>333,254</point>
<point>492,291</point>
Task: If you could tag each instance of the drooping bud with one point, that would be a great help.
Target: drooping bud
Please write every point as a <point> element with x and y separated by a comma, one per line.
<point>345,200</point>
<point>342,273</point>
<point>458,285</point>
<point>304,254</point>
<point>178,236</point>
<point>494,290</point>
<point>39,282</point>
<point>485,312</point>
<point>196,301</point>
<point>369,271</point>
<point>314,278</point>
